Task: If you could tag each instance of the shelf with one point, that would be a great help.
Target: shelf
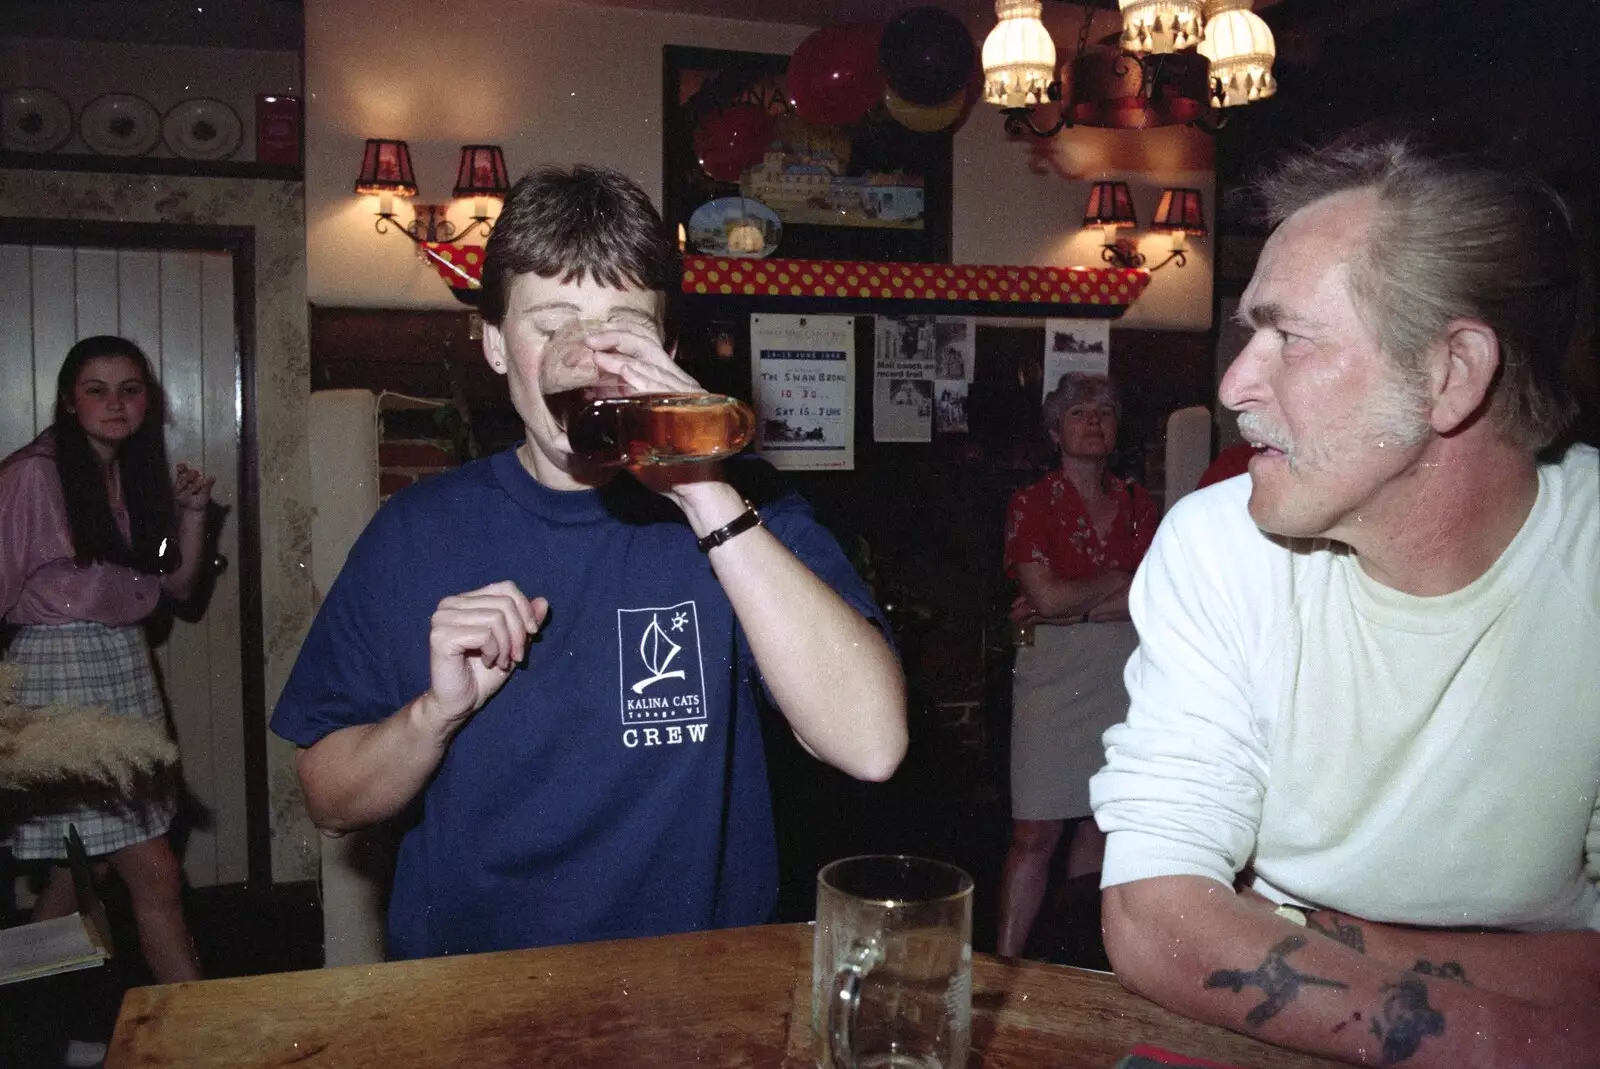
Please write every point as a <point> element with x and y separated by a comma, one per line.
<point>975,289</point>
<point>165,165</point>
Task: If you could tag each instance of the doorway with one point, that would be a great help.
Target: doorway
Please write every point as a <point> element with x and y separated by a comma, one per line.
<point>181,304</point>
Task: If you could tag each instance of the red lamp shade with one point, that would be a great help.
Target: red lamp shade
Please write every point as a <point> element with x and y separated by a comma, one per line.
<point>1180,211</point>
<point>386,168</point>
<point>1110,204</point>
<point>482,172</point>
<point>1117,90</point>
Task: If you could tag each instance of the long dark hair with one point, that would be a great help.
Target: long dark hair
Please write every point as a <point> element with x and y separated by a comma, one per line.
<point>141,460</point>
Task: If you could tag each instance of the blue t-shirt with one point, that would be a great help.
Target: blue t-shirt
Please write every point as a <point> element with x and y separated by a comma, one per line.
<point>616,785</point>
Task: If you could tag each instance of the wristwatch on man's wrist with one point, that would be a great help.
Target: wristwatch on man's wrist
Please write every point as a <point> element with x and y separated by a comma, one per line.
<point>1292,914</point>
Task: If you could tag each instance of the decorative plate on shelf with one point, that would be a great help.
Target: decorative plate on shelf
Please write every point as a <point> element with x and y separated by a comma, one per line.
<point>120,124</point>
<point>735,226</point>
<point>35,120</point>
<point>202,129</point>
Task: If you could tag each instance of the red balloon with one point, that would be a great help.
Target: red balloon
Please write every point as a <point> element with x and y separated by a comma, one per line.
<point>833,77</point>
<point>728,141</point>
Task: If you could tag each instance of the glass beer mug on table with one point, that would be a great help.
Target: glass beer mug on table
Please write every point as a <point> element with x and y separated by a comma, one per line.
<point>891,966</point>
<point>609,426</point>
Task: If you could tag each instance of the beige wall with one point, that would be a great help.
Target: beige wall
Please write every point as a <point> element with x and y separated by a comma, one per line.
<point>559,82</point>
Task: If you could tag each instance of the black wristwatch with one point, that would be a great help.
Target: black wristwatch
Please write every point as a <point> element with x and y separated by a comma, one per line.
<point>738,525</point>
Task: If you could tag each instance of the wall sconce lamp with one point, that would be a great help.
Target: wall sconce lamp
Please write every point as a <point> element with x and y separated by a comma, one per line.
<point>1111,208</point>
<point>1178,213</point>
<point>386,173</point>
<point>481,174</point>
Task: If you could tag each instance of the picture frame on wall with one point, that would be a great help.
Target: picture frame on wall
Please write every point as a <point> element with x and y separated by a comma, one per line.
<point>873,190</point>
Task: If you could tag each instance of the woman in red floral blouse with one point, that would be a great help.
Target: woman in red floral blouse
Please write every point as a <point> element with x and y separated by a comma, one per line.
<point>1073,540</point>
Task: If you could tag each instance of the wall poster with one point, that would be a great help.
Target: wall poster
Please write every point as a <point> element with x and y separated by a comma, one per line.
<point>803,383</point>
<point>1082,345</point>
<point>902,379</point>
<point>954,356</point>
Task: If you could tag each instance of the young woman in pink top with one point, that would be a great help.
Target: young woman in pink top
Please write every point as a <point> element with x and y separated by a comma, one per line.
<point>94,532</point>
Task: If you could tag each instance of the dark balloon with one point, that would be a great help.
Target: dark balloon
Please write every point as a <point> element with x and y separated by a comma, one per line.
<point>728,141</point>
<point>833,77</point>
<point>926,55</point>
<point>923,120</point>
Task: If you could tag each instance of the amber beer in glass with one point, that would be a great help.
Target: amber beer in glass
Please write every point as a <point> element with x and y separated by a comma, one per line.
<point>661,428</point>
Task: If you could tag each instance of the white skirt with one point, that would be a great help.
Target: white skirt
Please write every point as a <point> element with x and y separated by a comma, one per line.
<point>1066,691</point>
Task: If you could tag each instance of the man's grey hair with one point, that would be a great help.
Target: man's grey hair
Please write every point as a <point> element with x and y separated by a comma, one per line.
<point>1074,388</point>
<point>1455,237</point>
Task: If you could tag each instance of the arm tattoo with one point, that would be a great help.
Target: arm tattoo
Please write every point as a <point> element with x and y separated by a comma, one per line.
<point>1348,934</point>
<point>1279,980</point>
<point>1405,1020</point>
<point>1444,970</point>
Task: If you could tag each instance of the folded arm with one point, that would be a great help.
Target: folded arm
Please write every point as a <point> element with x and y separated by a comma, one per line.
<point>1055,599</point>
<point>1191,944</point>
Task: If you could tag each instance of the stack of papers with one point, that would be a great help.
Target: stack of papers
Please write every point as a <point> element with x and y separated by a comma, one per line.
<point>45,948</point>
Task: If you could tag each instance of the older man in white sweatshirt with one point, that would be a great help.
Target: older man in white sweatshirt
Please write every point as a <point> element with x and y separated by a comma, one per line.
<point>1353,807</point>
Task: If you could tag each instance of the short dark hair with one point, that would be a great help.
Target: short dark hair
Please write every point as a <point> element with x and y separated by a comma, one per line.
<point>141,465</point>
<point>583,223</point>
<point>1457,236</point>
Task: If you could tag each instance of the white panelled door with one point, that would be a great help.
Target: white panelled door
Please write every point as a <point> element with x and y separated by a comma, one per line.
<point>178,306</point>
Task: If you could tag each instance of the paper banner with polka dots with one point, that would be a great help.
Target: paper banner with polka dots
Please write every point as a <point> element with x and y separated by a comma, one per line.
<point>732,276</point>
<point>461,266</point>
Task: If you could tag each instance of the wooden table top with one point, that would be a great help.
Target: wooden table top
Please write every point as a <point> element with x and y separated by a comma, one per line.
<point>735,998</point>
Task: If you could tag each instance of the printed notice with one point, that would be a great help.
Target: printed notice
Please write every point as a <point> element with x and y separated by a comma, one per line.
<point>803,369</point>
<point>902,379</point>
<point>954,351</point>
<point>1081,345</point>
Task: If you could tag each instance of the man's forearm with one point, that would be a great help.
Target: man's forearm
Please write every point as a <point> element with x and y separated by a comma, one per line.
<point>1555,969</point>
<point>359,776</point>
<point>1196,947</point>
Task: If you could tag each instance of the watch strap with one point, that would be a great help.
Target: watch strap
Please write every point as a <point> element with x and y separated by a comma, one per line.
<point>738,525</point>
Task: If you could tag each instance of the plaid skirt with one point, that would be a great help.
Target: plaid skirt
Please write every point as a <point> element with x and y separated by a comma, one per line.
<point>90,664</point>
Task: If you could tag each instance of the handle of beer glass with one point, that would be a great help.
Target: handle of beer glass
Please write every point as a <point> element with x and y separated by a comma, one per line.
<point>846,1001</point>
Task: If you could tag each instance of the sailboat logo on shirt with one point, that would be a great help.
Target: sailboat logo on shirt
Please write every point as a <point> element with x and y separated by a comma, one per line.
<point>657,651</point>
<point>662,680</point>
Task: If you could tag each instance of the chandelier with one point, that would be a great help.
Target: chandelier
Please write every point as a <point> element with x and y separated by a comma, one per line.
<point>1161,25</point>
<point>1176,61</point>
<point>1019,58</point>
<point>1241,50</point>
